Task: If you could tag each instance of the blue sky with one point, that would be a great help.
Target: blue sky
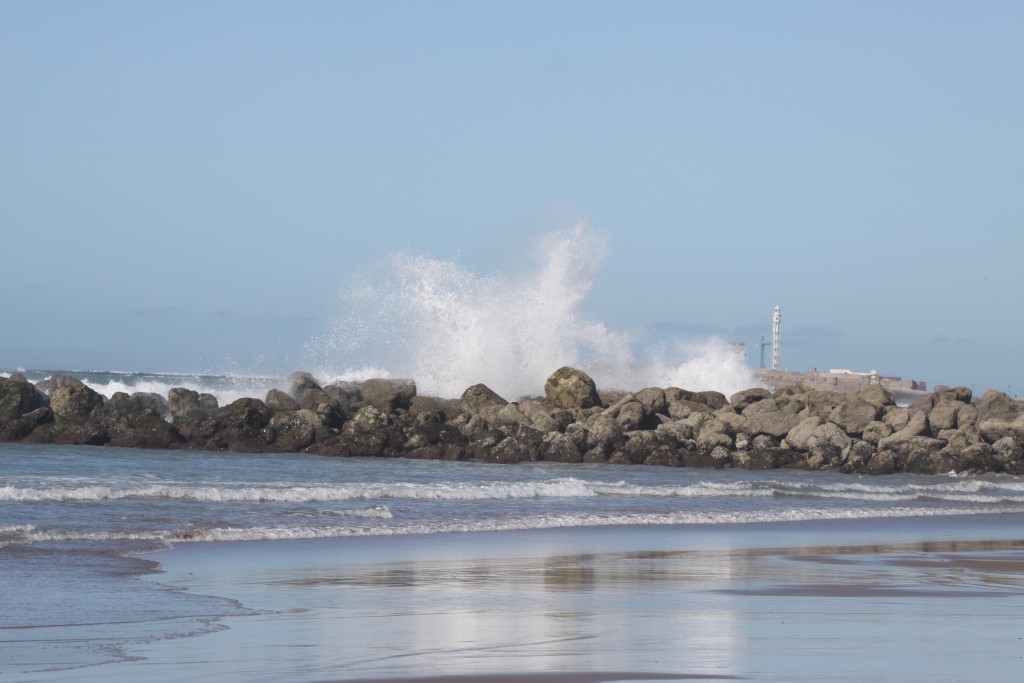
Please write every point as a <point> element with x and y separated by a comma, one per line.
<point>188,185</point>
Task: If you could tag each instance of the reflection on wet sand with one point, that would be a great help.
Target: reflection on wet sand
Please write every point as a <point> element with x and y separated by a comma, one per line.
<point>543,607</point>
<point>691,613</point>
<point>984,562</point>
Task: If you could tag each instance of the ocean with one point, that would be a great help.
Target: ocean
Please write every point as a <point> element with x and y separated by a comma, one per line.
<point>120,564</point>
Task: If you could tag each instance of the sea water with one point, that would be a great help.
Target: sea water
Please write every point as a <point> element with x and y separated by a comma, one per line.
<point>77,523</point>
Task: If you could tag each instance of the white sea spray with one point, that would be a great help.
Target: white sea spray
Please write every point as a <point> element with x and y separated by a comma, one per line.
<point>447,327</point>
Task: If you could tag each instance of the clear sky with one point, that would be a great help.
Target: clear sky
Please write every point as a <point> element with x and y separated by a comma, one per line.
<point>188,185</point>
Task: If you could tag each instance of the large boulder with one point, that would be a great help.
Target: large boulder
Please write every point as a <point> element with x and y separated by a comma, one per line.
<point>742,399</point>
<point>560,447</point>
<point>917,426</point>
<point>74,403</point>
<point>239,426</point>
<point>916,454</point>
<point>627,411</point>
<point>137,421</point>
<point>712,399</point>
<point>309,395</point>
<point>511,445</point>
<point>712,434</point>
<point>145,428</point>
<point>1009,453</point>
<point>68,434</point>
<point>279,401</point>
<point>654,403</point>
<point>571,389</point>
<point>773,417</point>
<point>855,413</point>
<point>877,395</point>
<point>17,399</point>
<point>642,445</point>
<point>1000,416</point>
<point>545,417</point>
<point>388,395</point>
<point>186,404</point>
<point>47,386</point>
<point>951,414</point>
<point>244,412</point>
<point>477,397</point>
<point>294,430</point>
<point>799,436</point>
<point>875,432</point>
<point>371,432</point>
<point>826,445</point>
<point>736,423</point>
<point>23,425</point>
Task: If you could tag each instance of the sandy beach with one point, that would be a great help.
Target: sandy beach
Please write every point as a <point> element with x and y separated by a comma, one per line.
<point>909,600</point>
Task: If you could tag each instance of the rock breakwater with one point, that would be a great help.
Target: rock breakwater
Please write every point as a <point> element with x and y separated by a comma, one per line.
<point>865,432</point>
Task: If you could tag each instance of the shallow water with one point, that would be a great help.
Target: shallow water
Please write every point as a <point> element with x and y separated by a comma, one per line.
<point>406,568</point>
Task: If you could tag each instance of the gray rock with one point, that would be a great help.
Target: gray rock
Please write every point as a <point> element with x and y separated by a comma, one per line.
<point>799,436</point>
<point>854,414</point>
<point>571,389</point>
<point>477,397</point>
<point>21,426</point>
<point>742,399</point>
<point>828,442</point>
<point>560,447</point>
<point>875,432</point>
<point>17,399</point>
<point>605,427</point>
<point>654,403</point>
<point>388,395</point>
<point>279,401</point>
<point>74,403</point>
<point>876,395</point>
<point>545,417</point>
<point>508,415</point>
<point>294,430</point>
<point>56,381</point>
<point>736,422</point>
<point>917,426</point>
<point>1000,416</point>
<point>186,404</point>
<point>244,412</point>
<point>629,414</point>
<point>772,417</point>
<point>1008,451</point>
<point>712,399</point>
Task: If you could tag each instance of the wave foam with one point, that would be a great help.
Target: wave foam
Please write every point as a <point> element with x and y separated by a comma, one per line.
<point>225,534</point>
<point>569,487</point>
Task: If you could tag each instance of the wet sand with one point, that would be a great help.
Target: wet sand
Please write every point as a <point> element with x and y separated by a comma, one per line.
<point>910,600</point>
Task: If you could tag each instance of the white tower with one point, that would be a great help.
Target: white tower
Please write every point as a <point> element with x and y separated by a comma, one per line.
<point>776,333</point>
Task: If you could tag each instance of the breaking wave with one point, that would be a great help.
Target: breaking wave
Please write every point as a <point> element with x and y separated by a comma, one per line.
<point>556,521</point>
<point>955,490</point>
<point>448,328</point>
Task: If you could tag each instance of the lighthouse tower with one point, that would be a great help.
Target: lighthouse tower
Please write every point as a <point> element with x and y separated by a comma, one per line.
<point>776,333</point>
